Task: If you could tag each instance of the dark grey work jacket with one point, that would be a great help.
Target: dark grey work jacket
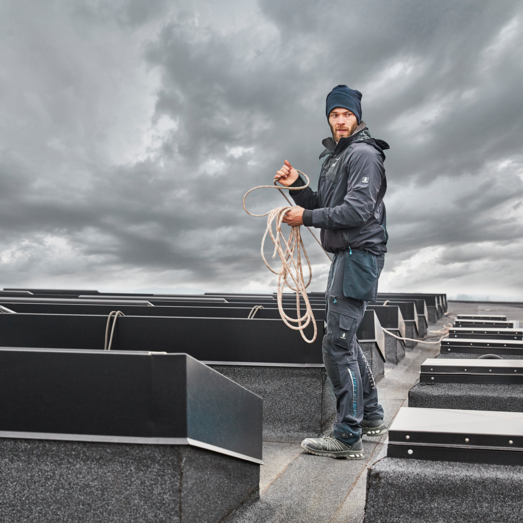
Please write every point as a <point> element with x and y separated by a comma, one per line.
<point>348,206</point>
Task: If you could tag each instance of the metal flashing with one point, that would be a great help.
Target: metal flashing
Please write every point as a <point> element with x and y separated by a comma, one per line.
<point>128,440</point>
<point>487,323</point>
<point>437,370</point>
<point>481,346</point>
<point>457,435</point>
<point>490,317</point>
<point>264,364</point>
<point>486,333</point>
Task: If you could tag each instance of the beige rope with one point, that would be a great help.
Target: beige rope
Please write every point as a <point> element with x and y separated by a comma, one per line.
<point>443,331</point>
<point>115,315</point>
<point>290,203</point>
<point>291,271</point>
<point>253,312</point>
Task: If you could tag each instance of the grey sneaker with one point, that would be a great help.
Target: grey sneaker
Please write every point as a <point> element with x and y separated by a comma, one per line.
<point>333,448</point>
<point>373,428</point>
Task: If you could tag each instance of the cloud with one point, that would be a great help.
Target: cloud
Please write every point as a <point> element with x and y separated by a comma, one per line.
<point>131,131</point>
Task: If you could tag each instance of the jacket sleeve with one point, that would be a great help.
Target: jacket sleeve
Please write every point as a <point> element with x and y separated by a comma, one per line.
<point>307,198</point>
<point>366,169</point>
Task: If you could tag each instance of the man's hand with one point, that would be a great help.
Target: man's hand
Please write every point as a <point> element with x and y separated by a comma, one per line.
<point>294,217</point>
<point>287,175</point>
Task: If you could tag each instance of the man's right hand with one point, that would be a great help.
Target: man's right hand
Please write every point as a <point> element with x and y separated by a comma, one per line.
<point>287,175</point>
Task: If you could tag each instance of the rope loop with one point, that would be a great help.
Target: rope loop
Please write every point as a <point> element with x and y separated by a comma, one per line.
<point>253,312</point>
<point>114,315</point>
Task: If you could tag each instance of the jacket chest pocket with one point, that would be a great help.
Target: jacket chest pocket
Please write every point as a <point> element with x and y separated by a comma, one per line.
<point>333,171</point>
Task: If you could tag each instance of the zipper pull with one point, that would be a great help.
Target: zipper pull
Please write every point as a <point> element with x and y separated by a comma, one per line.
<point>335,300</point>
<point>350,250</point>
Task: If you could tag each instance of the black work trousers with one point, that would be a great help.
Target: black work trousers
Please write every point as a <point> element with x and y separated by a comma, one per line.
<point>345,363</point>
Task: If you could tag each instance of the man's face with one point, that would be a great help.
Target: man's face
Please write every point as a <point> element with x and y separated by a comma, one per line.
<point>342,122</point>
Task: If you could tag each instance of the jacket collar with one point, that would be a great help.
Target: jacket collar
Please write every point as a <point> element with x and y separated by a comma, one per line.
<point>331,147</point>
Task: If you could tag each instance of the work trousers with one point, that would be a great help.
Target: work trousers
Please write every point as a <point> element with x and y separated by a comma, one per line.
<point>345,363</point>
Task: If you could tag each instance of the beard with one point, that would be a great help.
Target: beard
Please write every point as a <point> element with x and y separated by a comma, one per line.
<point>337,136</point>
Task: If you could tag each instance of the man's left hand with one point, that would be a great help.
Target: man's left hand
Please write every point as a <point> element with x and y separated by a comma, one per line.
<point>294,217</point>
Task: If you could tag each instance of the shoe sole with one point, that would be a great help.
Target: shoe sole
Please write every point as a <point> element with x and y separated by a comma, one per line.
<point>356,454</point>
<point>374,432</point>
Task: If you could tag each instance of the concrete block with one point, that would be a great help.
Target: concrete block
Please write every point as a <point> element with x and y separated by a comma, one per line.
<point>65,481</point>
<point>394,349</point>
<point>374,358</point>
<point>422,326</point>
<point>298,402</point>
<point>414,491</point>
<point>433,314</point>
<point>411,332</point>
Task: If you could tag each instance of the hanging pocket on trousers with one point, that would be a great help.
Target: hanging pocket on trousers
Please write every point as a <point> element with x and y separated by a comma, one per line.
<point>360,278</point>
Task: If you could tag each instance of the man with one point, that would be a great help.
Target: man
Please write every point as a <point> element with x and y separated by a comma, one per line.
<point>348,208</point>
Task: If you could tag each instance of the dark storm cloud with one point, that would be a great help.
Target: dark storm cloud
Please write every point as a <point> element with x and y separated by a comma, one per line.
<point>132,131</point>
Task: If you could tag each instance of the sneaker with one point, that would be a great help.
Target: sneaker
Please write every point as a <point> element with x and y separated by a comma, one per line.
<point>333,448</point>
<point>373,428</point>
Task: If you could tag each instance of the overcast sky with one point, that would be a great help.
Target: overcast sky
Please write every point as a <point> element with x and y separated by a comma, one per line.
<point>130,131</point>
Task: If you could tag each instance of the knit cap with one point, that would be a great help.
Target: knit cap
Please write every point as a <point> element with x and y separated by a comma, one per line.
<point>342,96</point>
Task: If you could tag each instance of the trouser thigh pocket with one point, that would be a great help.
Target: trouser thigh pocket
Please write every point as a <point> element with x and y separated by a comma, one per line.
<point>337,347</point>
<point>340,330</point>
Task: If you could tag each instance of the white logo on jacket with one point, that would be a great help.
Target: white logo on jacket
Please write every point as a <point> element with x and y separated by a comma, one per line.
<point>365,179</point>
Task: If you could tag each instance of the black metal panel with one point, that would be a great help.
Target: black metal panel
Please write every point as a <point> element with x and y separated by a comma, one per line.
<point>430,299</point>
<point>421,306</point>
<point>126,395</point>
<point>486,333</point>
<point>432,302</point>
<point>223,340</point>
<point>490,317</point>
<point>457,435</point>
<point>160,300</point>
<point>486,324</point>
<point>390,317</point>
<point>83,392</point>
<point>370,330</point>
<point>213,311</point>
<point>71,301</point>
<point>408,309</point>
<point>221,412</point>
<point>434,370</point>
<point>206,339</point>
<point>5,310</point>
<point>481,346</point>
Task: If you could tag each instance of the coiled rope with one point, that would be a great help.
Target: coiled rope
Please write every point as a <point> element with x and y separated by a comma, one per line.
<point>289,250</point>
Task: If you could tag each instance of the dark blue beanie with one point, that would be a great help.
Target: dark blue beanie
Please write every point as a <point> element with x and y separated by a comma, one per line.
<point>342,96</point>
